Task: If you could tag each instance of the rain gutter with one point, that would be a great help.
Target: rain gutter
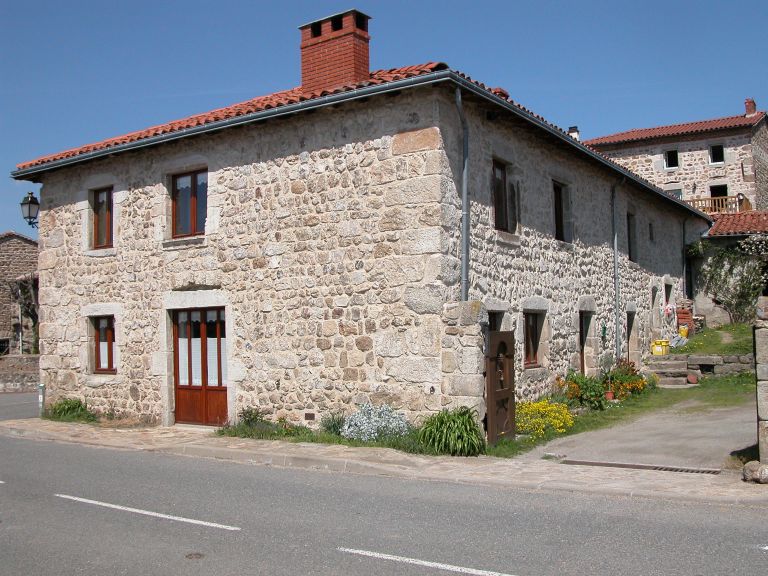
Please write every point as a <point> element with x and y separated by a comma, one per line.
<point>357,94</point>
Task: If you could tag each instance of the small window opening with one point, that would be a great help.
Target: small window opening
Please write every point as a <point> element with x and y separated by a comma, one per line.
<point>316,29</point>
<point>676,193</point>
<point>670,159</point>
<point>707,368</point>
<point>667,293</point>
<point>361,22</point>
<point>533,323</point>
<point>631,238</point>
<point>494,321</point>
<point>716,154</point>
<point>337,23</point>
<point>5,346</point>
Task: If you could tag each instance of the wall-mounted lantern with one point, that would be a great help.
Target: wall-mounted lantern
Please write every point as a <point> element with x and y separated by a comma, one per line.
<point>30,207</point>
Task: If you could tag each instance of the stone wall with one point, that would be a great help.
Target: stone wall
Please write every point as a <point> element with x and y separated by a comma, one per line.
<point>19,373</point>
<point>761,369</point>
<point>531,271</point>
<point>760,155</point>
<point>695,174</point>
<point>331,242</point>
<point>18,256</point>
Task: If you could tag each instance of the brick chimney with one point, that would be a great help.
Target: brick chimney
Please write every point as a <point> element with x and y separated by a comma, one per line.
<point>334,51</point>
<point>750,107</point>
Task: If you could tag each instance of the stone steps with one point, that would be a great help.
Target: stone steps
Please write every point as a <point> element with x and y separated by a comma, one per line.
<point>674,382</point>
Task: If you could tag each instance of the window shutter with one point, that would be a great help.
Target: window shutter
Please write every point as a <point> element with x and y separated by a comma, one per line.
<point>567,215</point>
<point>512,206</point>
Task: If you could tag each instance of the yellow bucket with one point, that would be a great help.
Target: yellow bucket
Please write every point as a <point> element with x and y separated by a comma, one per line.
<point>660,347</point>
<point>683,330</point>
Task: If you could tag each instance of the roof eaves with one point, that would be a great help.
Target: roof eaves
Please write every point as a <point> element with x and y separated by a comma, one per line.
<point>287,109</point>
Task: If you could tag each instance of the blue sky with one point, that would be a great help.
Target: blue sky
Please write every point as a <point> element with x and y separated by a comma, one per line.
<point>79,71</point>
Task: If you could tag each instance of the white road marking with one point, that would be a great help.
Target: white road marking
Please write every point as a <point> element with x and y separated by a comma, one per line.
<point>438,565</point>
<point>148,513</point>
<point>762,548</point>
<point>1,482</point>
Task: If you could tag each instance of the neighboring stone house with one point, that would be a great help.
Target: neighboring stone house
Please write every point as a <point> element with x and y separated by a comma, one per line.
<point>18,264</point>
<point>718,165</point>
<point>726,231</point>
<point>306,250</point>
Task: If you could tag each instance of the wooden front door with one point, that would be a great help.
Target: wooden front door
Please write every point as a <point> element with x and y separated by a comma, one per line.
<point>500,386</point>
<point>200,366</point>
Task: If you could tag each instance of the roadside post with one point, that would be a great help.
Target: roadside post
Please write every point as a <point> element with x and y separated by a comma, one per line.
<point>41,398</point>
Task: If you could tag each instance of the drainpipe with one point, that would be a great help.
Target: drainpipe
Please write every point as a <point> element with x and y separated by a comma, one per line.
<point>617,315</point>
<point>464,200</point>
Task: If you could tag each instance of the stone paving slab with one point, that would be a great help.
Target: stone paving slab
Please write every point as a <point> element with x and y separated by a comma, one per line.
<point>538,475</point>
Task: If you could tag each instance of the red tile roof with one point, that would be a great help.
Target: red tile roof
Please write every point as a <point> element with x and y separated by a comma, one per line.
<point>258,104</point>
<point>740,224</point>
<point>678,130</point>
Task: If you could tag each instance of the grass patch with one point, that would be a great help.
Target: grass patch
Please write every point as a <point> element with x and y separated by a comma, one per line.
<point>70,410</point>
<point>712,392</point>
<point>728,340</point>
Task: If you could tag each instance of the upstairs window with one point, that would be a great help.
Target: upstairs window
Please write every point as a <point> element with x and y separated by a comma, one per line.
<point>190,203</point>
<point>670,159</point>
<point>631,237</point>
<point>562,202</point>
<point>676,193</point>
<point>504,200</point>
<point>101,202</point>
<point>104,344</point>
<point>716,154</point>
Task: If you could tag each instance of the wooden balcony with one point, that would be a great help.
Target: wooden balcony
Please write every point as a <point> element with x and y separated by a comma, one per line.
<point>722,204</point>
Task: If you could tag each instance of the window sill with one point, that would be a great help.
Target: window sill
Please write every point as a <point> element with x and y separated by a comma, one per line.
<point>186,242</point>
<point>507,238</point>
<point>100,252</point>
<point>97,379</point>
<point>671,169</point>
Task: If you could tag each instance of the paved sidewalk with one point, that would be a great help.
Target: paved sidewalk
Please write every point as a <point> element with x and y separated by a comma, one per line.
<point>525,474</point>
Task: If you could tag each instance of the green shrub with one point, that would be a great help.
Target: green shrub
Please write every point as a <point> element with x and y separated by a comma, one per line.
<point>333,422</point>
<point>71,410</point>
<point>542,418</point>
<point>454,432</point>
<point>251,416</point>
<point>585,390</point>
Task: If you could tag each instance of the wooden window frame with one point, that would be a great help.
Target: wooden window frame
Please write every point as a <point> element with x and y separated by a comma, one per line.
<point>108,243</point>
<point>533,323</point>
<point>110,369</point>
<point>221,318</point>
<point>192,203</point>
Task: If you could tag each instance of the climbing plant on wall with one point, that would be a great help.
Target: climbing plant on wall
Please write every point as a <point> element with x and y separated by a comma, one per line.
<point>735,276</point>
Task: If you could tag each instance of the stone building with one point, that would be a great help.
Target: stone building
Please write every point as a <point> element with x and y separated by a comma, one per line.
<point>390,236</point>
<point>18,263</point>
<point>718,165</point>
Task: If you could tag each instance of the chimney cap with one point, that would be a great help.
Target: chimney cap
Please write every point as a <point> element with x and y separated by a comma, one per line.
<point>336,15</point>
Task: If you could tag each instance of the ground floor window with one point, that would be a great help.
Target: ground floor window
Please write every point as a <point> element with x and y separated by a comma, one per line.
<point>533,323</point>
<point>104,344</point>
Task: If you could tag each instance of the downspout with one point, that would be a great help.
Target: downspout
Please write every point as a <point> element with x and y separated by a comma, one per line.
<point>617,315</point>
<point>464,200</point>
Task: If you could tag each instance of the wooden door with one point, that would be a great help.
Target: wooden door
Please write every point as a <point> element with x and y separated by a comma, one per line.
<point>200,367</point>
<point>500,386</point>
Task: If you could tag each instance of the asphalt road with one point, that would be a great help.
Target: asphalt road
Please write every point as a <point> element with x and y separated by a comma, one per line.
<point>15,405</point>
<point>264,520</point>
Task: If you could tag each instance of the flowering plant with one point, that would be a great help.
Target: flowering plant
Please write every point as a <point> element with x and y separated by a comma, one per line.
<point>373,422</point>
